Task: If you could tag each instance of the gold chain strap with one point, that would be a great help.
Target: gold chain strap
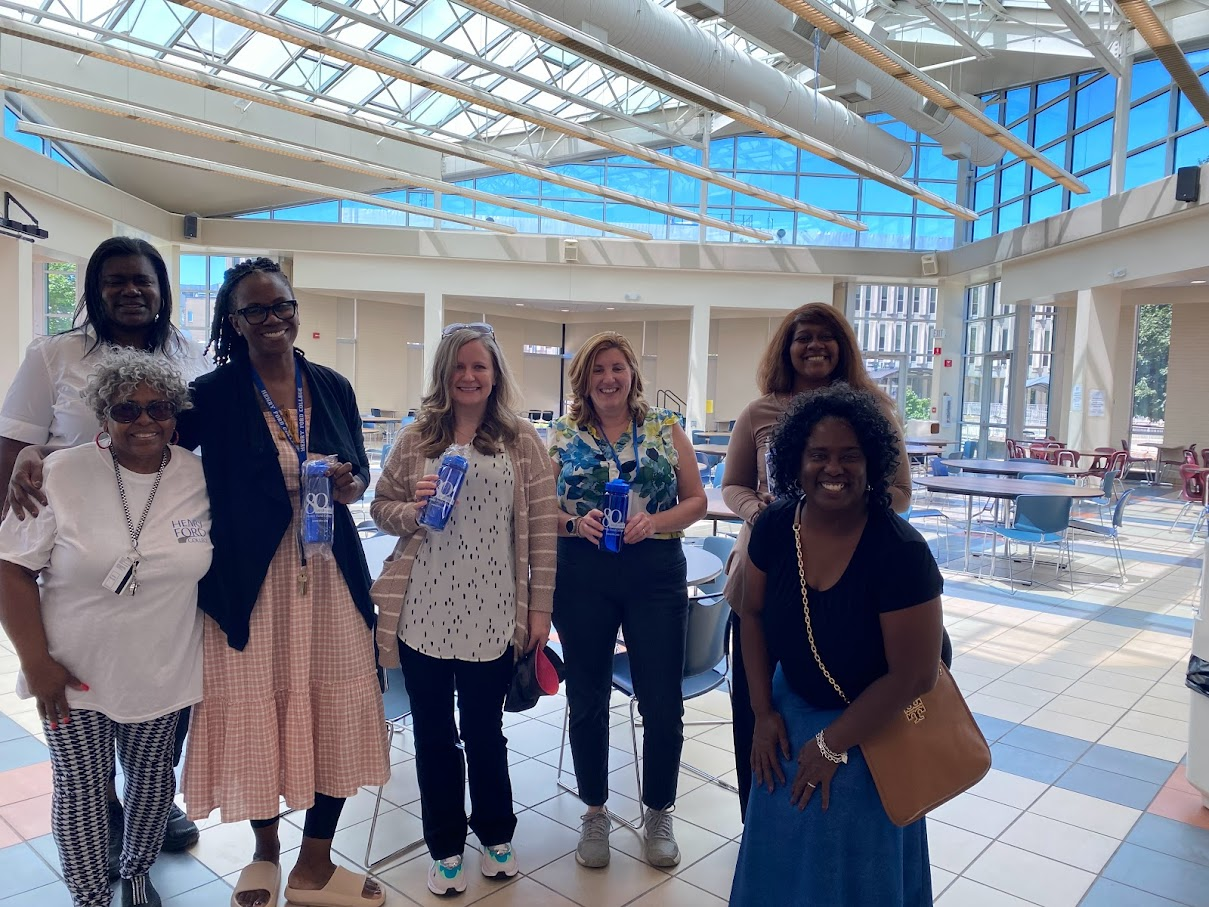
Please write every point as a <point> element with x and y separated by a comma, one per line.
<point>814,650</point>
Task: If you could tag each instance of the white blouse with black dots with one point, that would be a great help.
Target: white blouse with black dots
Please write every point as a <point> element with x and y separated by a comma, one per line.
<point>461,600</point>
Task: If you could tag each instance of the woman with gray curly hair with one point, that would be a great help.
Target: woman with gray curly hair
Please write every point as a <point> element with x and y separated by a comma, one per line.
<point>110,643</point>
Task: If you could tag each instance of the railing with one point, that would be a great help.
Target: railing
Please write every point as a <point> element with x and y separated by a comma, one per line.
<point>664,399</point>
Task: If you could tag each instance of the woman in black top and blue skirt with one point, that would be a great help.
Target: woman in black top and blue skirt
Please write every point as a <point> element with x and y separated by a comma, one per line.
<point>836,581</point>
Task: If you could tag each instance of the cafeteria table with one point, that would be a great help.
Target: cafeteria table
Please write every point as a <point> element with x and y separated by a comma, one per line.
<point>1016,468</point>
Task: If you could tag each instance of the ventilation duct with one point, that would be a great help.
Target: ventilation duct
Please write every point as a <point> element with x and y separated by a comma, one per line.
<point>701,10</point>
<point>773,25</point>
<point>660,36</point>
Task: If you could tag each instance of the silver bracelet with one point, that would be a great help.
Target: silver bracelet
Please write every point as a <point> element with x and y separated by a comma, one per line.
<point>828,753</point>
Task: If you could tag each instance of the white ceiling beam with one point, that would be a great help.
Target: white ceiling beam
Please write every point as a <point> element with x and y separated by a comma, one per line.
<point>283,31</point>
<point>499,161</point>
<point>950,28</point>
<point>1160,40</point>
<point>1078,26</point>
<point>317,190</point>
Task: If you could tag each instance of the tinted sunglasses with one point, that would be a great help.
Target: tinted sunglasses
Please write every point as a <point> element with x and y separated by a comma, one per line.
<point>129,411</point>
<point>258,314</point>
<point>479,327</point>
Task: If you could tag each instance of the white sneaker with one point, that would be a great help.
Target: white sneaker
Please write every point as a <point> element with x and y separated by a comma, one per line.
<point>447,876</point>
<point>658,843</point>
<point>593,849</point>
<point>498,861</point>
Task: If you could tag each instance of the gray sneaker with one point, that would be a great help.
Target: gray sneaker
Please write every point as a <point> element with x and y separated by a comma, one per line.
<point>658,843</point>
<point>593,849</point>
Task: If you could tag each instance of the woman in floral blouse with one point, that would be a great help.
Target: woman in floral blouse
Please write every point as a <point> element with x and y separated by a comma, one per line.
<point>610,432</point>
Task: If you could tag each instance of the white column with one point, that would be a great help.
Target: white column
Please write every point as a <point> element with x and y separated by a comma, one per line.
<point>950,318</point>
<point>16,305</point>
<point>698,363</point>
<point>434,322</point>
<point>1093,390</point>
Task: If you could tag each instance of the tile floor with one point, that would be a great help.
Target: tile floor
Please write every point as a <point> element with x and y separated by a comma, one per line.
<point>1081,696</point>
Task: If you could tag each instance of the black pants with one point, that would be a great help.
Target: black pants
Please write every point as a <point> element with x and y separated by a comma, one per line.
<point>440,767</point>
<point>321,819</point>
<point>643,591</point>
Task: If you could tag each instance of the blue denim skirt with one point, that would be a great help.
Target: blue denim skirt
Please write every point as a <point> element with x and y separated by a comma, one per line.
<point>850,856</point>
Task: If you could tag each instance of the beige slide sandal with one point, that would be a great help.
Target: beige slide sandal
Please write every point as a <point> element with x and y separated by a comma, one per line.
<point>259,876</point>
<point>342,890</point>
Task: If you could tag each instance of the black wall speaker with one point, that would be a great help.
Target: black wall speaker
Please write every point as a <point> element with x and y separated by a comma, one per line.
<point>191,226</point>
<point>1188,184</point>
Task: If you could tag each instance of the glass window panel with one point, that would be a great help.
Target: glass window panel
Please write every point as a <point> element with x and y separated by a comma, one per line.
<point>781,183</point>
<point>1094,101</point>
<point>152,20</point>
<point>770,220</point>
<point>934,233</point>
<point>356,85</point>
<point>633,216</point>
<point>1187,115</point>
<point>1092,146</point>
<point>1051,123</point>
<point>886,232</point>
<point>1097,183</point>
<point>262,54</point>
<point>984,193</point>
<point>712,234</point>
<point>934,165</point>
<point>947,191</point>
<point>60,158</point>
<point>214,35</point>
<point>433,19</point>
<point>1011,216</point>
<point>32,142</point>
<point>686,190</point>
<point>814,232</point>
<point>303,13</point>
<point>414,197</point>
<point>1012,182</point>
<point>1016,105</point>
<point>719,196</point>
<point>901,131</point>
<point>722,154</point>
<point>515,184</point>
<point>325,212</point>
<point>1198,59</point>
<point>829,192</point>
<point>813,164</point>
<point>686,153</point>
<point>982,228</point>
<point>255,215</point>
<point>758,152</point>
<point>361,213</point>
<point>1146,166</point>
<point>399,48</point>
<point>1045,204</point>
<point>1192,148</point>
<point>876,197</point>
<point>1148,76</point>
<point>646,182</point>
<point>1047,91</point>
<point>1150,121</point>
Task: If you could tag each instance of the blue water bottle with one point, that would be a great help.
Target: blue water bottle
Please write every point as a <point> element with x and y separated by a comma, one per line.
<point>318,511</point>
<point>450,477</point>
<point>616,511</point>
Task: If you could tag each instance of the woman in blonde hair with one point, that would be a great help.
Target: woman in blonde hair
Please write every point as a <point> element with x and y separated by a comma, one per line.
<point>612,433</point>
<point>456,608</point>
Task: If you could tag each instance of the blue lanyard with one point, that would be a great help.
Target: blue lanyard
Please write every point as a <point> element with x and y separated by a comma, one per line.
<point>606,446</point>
<point>300,443</point>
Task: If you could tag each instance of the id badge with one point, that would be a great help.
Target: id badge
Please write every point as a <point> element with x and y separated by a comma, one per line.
<point>118,580</point>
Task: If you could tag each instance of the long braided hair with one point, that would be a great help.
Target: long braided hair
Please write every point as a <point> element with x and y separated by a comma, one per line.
<point>162,336</point>
<point>225,341</point>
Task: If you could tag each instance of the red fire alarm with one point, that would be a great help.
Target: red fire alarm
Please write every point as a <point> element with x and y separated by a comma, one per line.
<point>935,351</point>
<point>315,335</point>
<point>948,363</point>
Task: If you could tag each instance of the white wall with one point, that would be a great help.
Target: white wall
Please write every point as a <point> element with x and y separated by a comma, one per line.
<point>1187,414</point>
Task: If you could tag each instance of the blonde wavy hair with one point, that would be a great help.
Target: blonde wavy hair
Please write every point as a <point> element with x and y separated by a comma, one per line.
<point>579,373</point>
<point>121,369</point>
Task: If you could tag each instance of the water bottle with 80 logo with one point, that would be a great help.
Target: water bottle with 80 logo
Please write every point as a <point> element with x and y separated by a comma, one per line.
<point>616,511</point>
<point>318,512</point>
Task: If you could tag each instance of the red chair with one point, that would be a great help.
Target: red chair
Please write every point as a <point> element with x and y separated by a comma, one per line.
<point>1190,456</point>
<point>1192,494</point>
<point>1205,457</point>
<point>1068,458</point>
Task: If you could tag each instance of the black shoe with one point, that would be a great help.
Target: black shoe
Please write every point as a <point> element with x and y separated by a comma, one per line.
<point>181,833</point>
<point>117,827</point>
<point>139,892</point>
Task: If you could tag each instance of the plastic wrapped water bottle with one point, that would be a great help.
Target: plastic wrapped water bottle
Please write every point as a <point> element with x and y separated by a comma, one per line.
<point>616,512</point>
<point>450,477</point>
<point>318,508</point>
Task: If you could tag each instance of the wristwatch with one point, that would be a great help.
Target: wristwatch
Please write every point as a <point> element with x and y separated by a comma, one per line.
<point>571,525</point>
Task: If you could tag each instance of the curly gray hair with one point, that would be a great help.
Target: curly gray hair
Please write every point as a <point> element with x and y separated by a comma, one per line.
<point>121,370</point>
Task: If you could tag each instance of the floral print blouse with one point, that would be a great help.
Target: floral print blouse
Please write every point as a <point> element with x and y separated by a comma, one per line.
<point>586,464</point>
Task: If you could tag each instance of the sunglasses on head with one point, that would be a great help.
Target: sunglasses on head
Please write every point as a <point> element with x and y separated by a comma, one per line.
<point>479,327</point>
<point>129,411</point>
<point>259,314</point>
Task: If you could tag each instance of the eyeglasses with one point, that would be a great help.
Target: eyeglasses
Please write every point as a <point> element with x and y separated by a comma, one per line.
<point>129,411</point>
<point>479,327</point>
<point>258,314</point>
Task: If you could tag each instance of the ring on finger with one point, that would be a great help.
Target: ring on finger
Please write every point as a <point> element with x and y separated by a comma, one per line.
<point>811,786</point>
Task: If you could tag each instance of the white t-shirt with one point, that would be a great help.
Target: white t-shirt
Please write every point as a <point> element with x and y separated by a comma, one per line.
<point>141,655</point>
<point>43,405</point>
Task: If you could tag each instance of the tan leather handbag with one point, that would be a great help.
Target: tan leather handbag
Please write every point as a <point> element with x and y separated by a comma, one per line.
<point>929,753</point>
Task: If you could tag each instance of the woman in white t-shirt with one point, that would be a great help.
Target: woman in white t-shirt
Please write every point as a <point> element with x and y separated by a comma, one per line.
<point>110,640</point>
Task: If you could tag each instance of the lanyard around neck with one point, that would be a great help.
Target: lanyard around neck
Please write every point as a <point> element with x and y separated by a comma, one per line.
<point>299,443</point>
<point>606,446</point>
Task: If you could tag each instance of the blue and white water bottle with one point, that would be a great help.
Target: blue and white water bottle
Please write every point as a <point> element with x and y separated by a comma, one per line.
<point>616,512</point>
<point>450,477</point>
<point>318,511</point>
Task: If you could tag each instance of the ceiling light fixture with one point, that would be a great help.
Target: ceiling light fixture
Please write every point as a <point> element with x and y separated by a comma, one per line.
<point>268,179</point>
<point>10,226</point>
<point>243,91</point>
<point>823,17</point>
<point>1197,282</point>
<point>1160,40</point>
<point>395,69</point>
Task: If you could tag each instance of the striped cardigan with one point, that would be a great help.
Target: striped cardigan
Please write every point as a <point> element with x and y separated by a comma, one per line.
<point>535,528</point>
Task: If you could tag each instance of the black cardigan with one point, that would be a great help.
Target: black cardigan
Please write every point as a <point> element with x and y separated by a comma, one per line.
<point>249,507</point>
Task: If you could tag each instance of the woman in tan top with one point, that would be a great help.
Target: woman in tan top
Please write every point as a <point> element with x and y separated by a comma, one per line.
<point>457,607</point>
<point>813,348</point>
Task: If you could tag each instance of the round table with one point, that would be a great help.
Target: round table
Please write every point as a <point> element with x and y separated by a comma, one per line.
<point>712,450</point>
<point>1016,468</point>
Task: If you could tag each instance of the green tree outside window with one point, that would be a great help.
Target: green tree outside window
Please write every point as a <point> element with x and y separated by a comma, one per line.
<point>60,296</point>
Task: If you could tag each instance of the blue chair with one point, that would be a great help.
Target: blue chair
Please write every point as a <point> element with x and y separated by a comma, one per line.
<point>969,449</point>
<point>1057,480</point>
<point>931,513</point>
<point>719,472</point>
<point>936,467</point>
<point>395,701</point>
<point>1111,532</point>
<point>1106,493</point>
<point>1040,520</point>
